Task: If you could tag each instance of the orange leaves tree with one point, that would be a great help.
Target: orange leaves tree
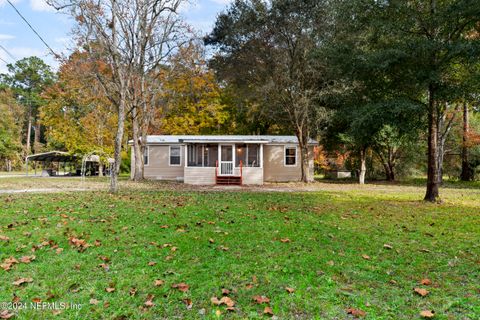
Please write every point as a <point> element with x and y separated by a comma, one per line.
<point>78,118</point>
<point>192,97</point>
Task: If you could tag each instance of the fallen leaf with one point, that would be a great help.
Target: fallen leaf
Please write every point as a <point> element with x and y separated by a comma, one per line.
<point>268,311</point>
<point>181,286</point>
<point>27,259</point>
<point>261,299</point>
<point>211,240</point>
<point>4,238</point>
<point>284,240</point>
<point>80,244</point>
<point>5,314</point>
<point>225,292</point>
<point>218,313</point>
<point>94,301</point>
<point>421,291</point>
<point>387,246</point>
<point>224,300</point>
<point>188,303</point>
<point>152,263</point>
<point>59,250</point>
<point>149,303</point>
<point>357,313</point>
<point>21,281</point>
<point>159,283</point>
<point>36,300</point>
<point>290,290</point>
<point>427,314</point>
<point>366,257</point>
<point>132,291</point>
<point>426,282</point>
<point>10,260</point>
<point>227,301</point>
<point>110,289</point>
<point>104,266</point>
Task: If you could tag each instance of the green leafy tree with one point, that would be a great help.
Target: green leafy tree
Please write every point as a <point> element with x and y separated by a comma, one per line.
<point>265,51</point>
<point>10,129</point>
<point>28,78</point>
<point>408,51</point>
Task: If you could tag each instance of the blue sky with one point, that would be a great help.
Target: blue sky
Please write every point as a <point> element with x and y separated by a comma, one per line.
<point>21,42</point>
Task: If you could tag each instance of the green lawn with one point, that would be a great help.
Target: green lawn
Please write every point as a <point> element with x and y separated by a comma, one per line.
<point>251,243</point>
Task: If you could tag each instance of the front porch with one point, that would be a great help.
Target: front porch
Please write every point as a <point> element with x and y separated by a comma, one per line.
<point>223,163</point>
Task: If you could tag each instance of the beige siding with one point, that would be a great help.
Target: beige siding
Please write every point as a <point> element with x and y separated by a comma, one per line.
<point>252,175</point>
<point>200,175</point>
<point>159,164</point>
<point>275,168</point>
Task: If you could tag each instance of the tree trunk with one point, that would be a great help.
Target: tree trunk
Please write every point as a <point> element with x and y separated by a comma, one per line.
<point>467,172</point>
<point>303,146</point>
<point>117,154</point>
<point>100,169</point>
<point>363,166</point>
<point>137,147</point>
<point>29,131</point>
<point>36,142</point>
<point>440,152</point>
<point>432,193</point>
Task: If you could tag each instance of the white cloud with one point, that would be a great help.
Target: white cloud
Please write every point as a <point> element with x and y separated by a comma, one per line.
<point>6,37</point>
<point>41,5</point>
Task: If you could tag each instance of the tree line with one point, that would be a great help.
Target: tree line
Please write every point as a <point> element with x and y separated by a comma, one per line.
<point>383,82</point>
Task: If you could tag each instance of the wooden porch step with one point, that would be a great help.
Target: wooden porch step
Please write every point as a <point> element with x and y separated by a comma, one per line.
<point>229,180</point>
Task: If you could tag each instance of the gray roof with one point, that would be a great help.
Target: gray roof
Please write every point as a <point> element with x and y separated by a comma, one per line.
<point>224,138</point>
<point>53,156</point>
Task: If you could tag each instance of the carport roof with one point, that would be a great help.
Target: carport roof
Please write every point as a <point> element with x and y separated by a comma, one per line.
<point>52,156</point>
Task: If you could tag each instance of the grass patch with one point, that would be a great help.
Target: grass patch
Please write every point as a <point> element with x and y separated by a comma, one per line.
<point>250,243</point>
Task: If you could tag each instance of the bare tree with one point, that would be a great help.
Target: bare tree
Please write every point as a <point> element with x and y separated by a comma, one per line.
<point>127,40</point>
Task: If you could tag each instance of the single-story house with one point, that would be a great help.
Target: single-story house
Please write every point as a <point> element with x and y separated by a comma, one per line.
<point>224,159</point>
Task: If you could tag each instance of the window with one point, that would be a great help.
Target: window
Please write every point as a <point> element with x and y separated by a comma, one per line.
<point>146,151</point>
<point>175,155</point>
<point>253,155</point>
<point>290,156</point>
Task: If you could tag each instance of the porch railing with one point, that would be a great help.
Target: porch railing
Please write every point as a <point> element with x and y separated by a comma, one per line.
<point>228,170</point>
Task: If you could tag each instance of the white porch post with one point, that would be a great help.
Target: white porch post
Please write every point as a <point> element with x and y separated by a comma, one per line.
<point>186,155</point>
<point>261,155</point>
<point>234,151</point>
<point>219,155</point>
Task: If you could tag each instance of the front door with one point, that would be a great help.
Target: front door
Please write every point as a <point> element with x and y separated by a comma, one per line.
<point>226,160</point>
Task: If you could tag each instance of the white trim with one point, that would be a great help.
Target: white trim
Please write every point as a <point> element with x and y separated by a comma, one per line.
<point>170,157</point>
<point>261,156</point>
<point>186,155</point>
<point>285,155</point>
<point>148,156</point>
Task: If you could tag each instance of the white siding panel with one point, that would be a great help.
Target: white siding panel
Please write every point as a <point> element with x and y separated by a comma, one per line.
<point>252,175</point>
<point>200,175</point>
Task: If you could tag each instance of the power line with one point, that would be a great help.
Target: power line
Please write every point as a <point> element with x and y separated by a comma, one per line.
<point>4,61</point>
<point>8,52</point>
<point>33,29</point>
